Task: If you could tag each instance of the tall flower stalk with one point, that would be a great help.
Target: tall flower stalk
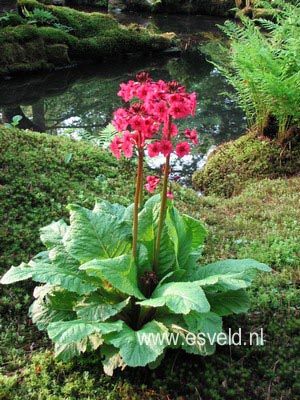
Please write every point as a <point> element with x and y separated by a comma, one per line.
<point>138,200</point>
<point>147,126</point>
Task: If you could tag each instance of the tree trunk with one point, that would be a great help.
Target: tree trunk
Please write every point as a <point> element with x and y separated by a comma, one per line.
<point>8,5</point>
<point>38,115</point>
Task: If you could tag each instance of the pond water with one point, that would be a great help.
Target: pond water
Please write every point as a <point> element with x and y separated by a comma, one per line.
<point>79,102</point>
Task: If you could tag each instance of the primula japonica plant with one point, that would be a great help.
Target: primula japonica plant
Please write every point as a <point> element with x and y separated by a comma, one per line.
<point>120,280</point>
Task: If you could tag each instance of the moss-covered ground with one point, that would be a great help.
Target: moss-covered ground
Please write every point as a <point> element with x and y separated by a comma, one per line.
<point>73,37</point>
<point>38,177</point>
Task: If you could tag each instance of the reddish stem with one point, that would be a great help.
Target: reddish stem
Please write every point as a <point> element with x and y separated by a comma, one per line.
<point>138,198</point>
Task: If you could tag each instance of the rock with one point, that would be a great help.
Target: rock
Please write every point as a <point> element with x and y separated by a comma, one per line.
<point>57,54</point>
<point>7,6</point>
<point>116,6</point>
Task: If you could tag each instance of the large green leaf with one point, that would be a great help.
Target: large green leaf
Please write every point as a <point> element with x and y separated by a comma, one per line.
<point>179,297</point>
<point>229,274</point>
<point>95,308</point>
<point>138,348</point>
<point>56,306</point>
<point>52,236</point>
<point>231,302</point>
<point>66,352</point>
<point>115,210</point>
<point>96,234</point>
<point>180,236</point>
<point>112,359</point>
<point>17,274</point>
<point>66,332</point>
<point>194,343</point>
<point>209,324</point>
<point>120,272</point>
<point>197,230</point>
<point>77,282</point>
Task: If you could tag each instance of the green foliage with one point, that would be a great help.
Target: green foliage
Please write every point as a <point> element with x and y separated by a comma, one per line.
<point>263,66</point>
<point>90,263</point>
<point>39,16</point>
<point>10,19</point>
<point>15,121</point>
<point>231,165</point>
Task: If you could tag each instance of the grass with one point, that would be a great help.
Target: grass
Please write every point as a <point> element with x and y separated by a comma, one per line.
<point>260,222</point>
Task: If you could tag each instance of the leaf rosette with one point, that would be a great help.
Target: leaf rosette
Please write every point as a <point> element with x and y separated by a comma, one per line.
<point>96,295</point>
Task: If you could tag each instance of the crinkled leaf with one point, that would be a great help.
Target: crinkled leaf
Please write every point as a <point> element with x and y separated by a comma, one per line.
<point>209,323</point>
<point>179,297</point>
<point>197,230</point>
<point>115,210</point>
<point>57,306</point>
<point>112,359</point>
<point>120,272</point>
<point>66,332</point>
<point>52,236</point>
<point>231,302</point>
<point>77,282</point>
<point>65,352</point>
<point>138,348</point>
<point>96,234</point>
<point>193,343</point>
<point>180,236</point>
<point>229,274</point>
<point>17,274</point>
<point>95,340</point>
<point>95,308</point>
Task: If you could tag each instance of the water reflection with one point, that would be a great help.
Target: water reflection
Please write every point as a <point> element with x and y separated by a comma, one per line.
<point>81,101</point>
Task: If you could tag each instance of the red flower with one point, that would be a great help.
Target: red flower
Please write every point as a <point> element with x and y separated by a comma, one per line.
<point>166,133</point>
<point>183,149</point>
<point>153,149</point>
<point>152,182</point>
<point>192,135</point>
<point>127,149</point>
<point>115,146</point>
<point>170,195</point>
<point>158,103</point>
<point>166,147</point>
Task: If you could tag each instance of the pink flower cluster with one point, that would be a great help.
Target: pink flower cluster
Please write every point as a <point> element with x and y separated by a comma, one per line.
<point>148,122</point>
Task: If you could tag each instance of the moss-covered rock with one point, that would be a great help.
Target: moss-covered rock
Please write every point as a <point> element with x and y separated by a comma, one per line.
<point>232,164</point>
<point>76,36</point>
<point>58,54</point>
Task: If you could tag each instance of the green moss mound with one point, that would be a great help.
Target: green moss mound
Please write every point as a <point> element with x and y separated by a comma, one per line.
<point>93,36</point>
<point>37,182</point>
<point>232,164</point>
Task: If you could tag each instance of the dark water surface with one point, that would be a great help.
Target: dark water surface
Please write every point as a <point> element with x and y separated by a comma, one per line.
<point>80,101</point>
